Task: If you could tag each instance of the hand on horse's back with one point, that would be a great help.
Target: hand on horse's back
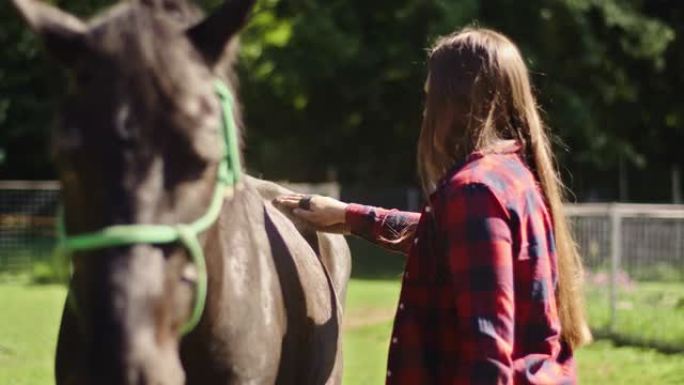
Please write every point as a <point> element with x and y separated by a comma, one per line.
<point>324,213</point>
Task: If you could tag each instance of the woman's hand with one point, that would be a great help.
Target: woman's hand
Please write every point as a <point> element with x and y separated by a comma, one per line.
<point>323,213</point>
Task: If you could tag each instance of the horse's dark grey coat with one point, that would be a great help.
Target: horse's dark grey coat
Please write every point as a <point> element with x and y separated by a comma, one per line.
<point>138,142</point>
<point>274,312</point>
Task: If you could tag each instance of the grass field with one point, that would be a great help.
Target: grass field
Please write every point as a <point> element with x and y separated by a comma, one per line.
<point>30,316</point>
<point>650,313</point>
<point>28,330</point>
<point>600,363</point>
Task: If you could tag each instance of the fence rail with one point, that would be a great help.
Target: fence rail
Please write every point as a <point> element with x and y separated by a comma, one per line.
<point>639,239</point>
<point>26,223</point>
<point>633,253</point>
<point>634,210</point>
<point>634,256</point>
<point>644,240</point>
<point>27,220</point>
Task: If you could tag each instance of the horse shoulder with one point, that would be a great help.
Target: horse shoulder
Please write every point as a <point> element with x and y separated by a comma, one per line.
<point>332,249</point>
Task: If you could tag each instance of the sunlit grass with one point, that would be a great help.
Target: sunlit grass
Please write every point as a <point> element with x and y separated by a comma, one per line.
<point>600,363</point>
<point>29,320</point>
<point>650,313</point>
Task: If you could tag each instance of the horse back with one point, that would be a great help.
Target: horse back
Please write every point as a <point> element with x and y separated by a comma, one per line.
<point>332,249</point>
<point>276,289</point>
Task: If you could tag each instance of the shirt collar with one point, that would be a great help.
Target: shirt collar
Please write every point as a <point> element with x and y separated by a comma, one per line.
<point>504,147</point>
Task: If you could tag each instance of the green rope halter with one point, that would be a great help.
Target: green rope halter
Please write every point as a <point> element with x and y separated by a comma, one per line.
<point>229,173</point>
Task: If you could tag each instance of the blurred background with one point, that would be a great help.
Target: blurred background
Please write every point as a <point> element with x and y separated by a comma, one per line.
<point>332,95</point>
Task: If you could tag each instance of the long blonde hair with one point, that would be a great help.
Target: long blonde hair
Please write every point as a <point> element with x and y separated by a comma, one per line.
<point>478,93</point>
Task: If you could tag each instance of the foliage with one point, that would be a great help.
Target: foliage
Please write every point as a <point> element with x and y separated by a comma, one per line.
<point>341,92</point>
<point>347,82</point>
<point>333,89</point>
<point>54,271</point>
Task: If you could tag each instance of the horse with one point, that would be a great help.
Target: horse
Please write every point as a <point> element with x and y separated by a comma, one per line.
<point>138,143</point>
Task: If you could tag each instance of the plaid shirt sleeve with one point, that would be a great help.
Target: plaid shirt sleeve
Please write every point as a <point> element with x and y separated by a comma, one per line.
<point>391,229</point>
<point>478,249</point>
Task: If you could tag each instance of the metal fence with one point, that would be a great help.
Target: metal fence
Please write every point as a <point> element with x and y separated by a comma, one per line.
<point>634,258</point>
<point>27,220</point>
<point>633,254</point>
<point>645,241</point>
<point>26,223</point>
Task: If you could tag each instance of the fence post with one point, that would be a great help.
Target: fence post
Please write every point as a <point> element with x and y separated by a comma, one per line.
<point>615,253</point>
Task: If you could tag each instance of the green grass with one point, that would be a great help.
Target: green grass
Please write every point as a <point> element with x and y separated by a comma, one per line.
<point>599,363</point>
<point>364,294</point>
<point>28,332</point>
<point>30,318</point>
<point>604,364</point>
<point>370,307</point>
<point>648,313</point>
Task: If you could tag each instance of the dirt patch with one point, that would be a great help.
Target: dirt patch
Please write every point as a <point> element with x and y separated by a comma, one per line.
<point>5,351</point>
<point>359,318</point>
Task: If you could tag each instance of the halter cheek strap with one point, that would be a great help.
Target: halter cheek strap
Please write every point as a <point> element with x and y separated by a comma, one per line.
<point>228,175</point>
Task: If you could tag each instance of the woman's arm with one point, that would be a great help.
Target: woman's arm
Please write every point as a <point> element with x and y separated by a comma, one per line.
<point>391,229</point>
<point>394,230</point>
<point>479,256</point>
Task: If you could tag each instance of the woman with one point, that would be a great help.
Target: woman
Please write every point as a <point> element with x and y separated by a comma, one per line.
<point>491,292</point>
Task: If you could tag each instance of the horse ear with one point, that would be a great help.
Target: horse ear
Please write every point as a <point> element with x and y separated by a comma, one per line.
<point>212,35</point>
<point>62,33</point>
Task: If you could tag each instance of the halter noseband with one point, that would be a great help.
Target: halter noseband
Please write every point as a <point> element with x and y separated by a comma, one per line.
<point>229,173</point>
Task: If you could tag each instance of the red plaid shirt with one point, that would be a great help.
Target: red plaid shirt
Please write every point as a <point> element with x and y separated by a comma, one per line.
<point>478,301</point>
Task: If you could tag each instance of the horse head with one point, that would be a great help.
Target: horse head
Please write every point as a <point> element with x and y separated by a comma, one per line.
<point>138,142</point>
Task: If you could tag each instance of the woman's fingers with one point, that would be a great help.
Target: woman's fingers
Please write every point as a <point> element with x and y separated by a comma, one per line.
<point>320,211</point>
<point>290,198</point>
<point>289,201</point>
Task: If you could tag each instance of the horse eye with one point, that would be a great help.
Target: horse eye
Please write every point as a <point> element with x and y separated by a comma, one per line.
<point>124,122</point>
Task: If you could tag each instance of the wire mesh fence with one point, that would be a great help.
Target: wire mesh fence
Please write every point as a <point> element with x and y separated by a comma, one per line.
<point>26,223</point>
<point>651,239</point>
<point>633,256</point>
<point>634,259</point>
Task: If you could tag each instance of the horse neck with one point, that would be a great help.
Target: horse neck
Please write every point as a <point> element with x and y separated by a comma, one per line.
<point>233,219</point>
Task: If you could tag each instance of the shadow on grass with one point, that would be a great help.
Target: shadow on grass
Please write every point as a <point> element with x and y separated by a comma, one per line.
<point>368,260</point>
<point>622,340</point>
<point>372,262</point>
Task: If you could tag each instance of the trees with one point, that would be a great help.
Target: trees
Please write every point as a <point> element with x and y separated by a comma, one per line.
<point>605,70</point>
<point>334,88</point>
<point>26,83</point>
<point>595,62</point>
<point>31,87</point>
